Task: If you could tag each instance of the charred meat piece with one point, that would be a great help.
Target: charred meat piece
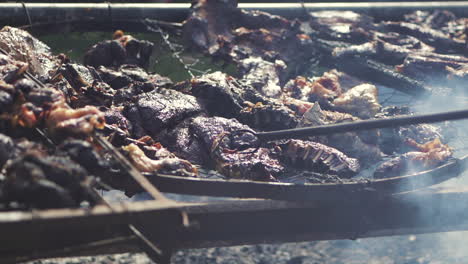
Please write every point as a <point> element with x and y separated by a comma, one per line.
<point>7,147</point>
<point>123,49</point>
<point>360,101</point>
<point>185,144</point>
<point>21,46</point>
<point>227,152</point>
<point>127,75</point>
<point>318,158</point>
<point>263,75</point>
<point>268,117</point>
<point>7,93</point>
<point>393,140</point>
<point>157,110</point>
<point>10,69</point>
<point>89,89</point>
<point>390,48</point>
<point>63,121</point>
<point>219,93</point>
<point>223,95</point>
<point>442,42</point>
<point>438,19</point>
<point>341,25</point>
<point>328,86</point>
<point>163,161</point>
<point>362,145</point>
<point>429,155</point>
<point>36,181</point>
<point>432,67</point>
<point>252,40</point>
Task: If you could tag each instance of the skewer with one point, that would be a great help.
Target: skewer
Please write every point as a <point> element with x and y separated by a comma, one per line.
<point>359,125</point>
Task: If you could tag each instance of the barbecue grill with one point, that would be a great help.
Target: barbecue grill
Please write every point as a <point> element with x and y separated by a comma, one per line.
<point>347,210</point>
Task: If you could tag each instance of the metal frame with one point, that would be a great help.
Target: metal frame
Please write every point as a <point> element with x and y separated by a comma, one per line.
<point>26,13</point>
<point>164,225</point>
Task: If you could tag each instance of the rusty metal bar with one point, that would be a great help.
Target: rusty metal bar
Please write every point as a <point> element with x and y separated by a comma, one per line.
<point>15,13</point>
<point>231,223</point>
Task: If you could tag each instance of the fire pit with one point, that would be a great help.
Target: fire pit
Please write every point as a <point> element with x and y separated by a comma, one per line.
<point>303,118</point>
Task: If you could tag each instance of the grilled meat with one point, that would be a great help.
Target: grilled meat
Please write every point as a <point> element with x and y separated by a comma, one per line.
<point>156,110</point>
<point>23,47</point>
<point>318,158</point>
<point>123,49</point>
<point>165,162</point>
<point>428,156</point>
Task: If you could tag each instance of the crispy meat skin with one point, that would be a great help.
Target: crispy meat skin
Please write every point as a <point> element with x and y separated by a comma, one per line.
<point>318,158</point>
<point>428,156</point>
<point>81,121</point>
<point>259,165</point>
<point>157,110</point>
<point>266,48</point>
<point>125,49</point>
<point>164,164</point>
<point>25,48</point>
<point>36,181</point>
<point>393,140</point>
<point>341,25</point>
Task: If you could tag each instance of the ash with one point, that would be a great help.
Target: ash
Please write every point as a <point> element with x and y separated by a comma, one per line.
<point>421,249</point>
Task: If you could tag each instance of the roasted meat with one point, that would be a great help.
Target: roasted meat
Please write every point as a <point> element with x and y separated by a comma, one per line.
<point>318,158</point>
<point>163,161</point>
<point>35,181</point>
<point>123,49</point>
<point>234,156</point>
<point>427,156</point>
<point>154,111</point>
<point>23,47</point>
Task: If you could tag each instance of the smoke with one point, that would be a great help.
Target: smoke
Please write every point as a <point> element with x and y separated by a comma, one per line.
<point>448,247</point>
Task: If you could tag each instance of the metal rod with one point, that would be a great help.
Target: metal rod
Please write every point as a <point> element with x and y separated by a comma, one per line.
<point>308,192</point>
<point>14,13</point>
<point>362,125</point>
<point>237,222</point>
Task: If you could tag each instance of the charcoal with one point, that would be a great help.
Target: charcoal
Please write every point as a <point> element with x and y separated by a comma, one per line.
<point>123,49</point>
<point>23,47</point>
<point>157,110</point>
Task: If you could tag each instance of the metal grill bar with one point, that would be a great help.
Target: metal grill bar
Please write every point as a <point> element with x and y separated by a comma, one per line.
<point>14,13</point>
